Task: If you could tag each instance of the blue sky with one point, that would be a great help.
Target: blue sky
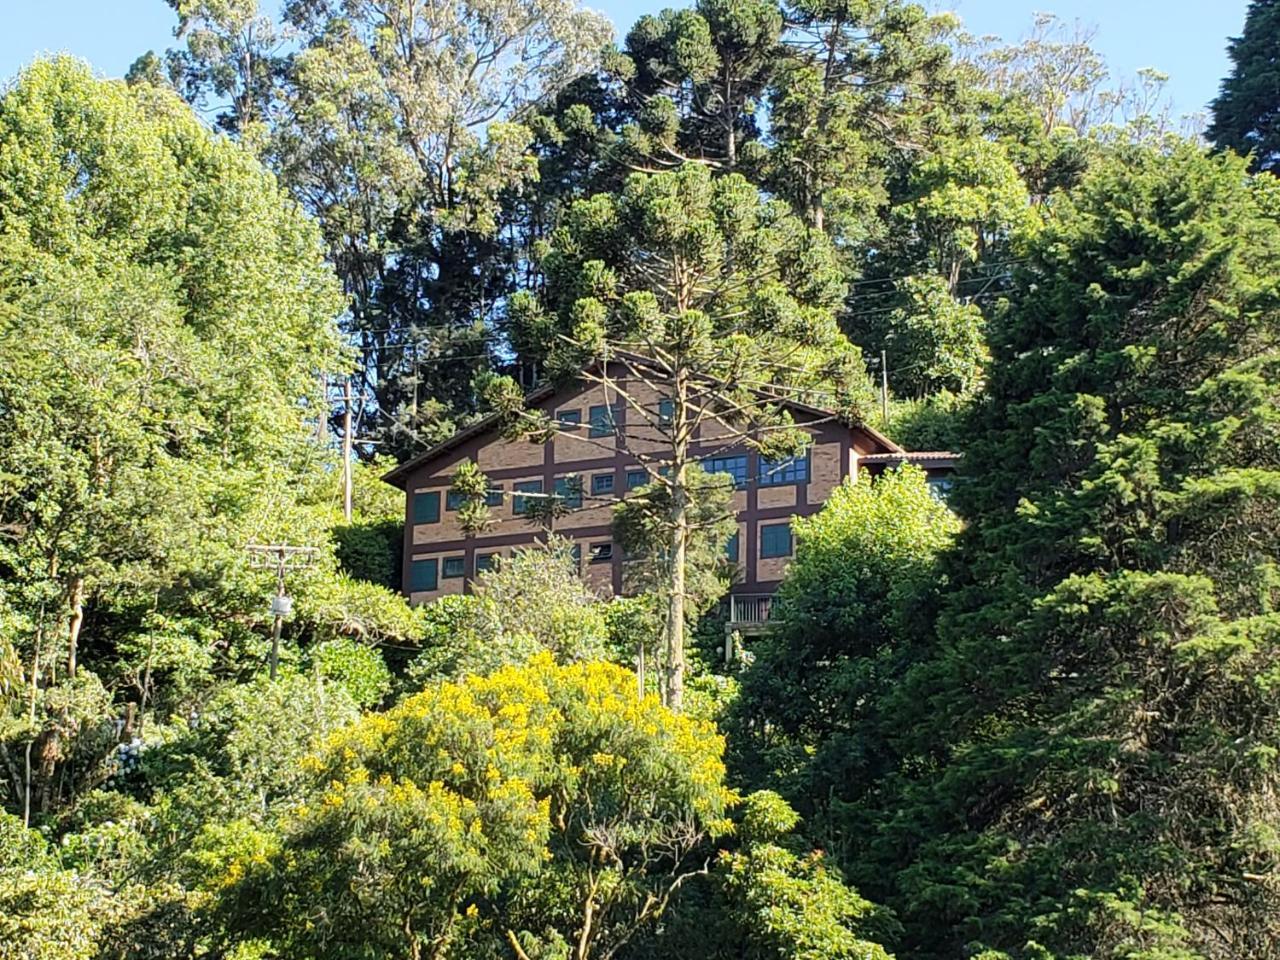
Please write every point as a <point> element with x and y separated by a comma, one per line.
<point>1184,38</point>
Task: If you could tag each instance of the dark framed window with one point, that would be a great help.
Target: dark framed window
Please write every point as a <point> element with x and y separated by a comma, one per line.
<point>940,487</point>
<point>486,561</point>
<point>735,467</point>
<point>569,489</point>
<point>426,507</point>
<point>602,422</point>
<point>775,540</point>
<point>601,552</point>
<point>602,483</point>
<point>576,554</point>
<point>453,500</point>
<point>636,478</point>
<point>454,567</point>
<point>569,419</point>
<point>731,549</point>
<point>520,504</point>
<point>666,413</point>
<point>779,473</point>
<point>422,575</point>
<point>494,496</point>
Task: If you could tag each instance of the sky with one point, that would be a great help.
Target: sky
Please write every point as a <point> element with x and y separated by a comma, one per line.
<point>1183,38</point>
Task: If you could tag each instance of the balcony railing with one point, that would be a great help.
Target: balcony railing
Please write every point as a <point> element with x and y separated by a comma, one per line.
<point>749,610</point>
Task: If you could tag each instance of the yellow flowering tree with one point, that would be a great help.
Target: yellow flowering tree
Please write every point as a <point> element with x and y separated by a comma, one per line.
<point>542,810</point>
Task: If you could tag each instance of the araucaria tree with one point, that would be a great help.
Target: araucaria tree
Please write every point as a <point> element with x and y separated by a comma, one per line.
<point>1246,114</point>
<point>702,312</point>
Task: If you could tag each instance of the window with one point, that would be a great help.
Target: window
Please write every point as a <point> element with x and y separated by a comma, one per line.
<point>775,540</point>
<point>601,552</point>
<point>569,419</point>
<point>454,567</point>
<point>494,496</point>
<point>735,467</point>
<point>940,487</point>
<point>576,554</point>
<point>426,507</point>
<point>422,575</point>
<point>602,483</point>
<point>666,413</point>
<point>569,489</point>
<point>486,561</point>
<point>636,478</point>
<point>453,500</point>
<point>731,549</point>
<point>520,504</point>
<point>602,422</point>
<point>778,473</point>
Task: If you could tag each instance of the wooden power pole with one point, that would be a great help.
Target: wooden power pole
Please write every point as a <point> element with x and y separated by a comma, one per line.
<point>346,450</point>
<point>282,558</point>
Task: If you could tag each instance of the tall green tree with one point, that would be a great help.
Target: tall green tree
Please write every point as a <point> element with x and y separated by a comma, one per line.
<point>1083,759</point>
<point>1246,113</point>
<point>691,302</point>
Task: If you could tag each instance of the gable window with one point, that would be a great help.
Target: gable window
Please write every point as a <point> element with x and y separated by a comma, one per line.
<point>494,495</point>
<point>602,483</point>
<point>519,504</point>
<point>453,500</point>
<point>453,567</point>
<point>779,473</point>
<point>731,549</point>
<point>735,467</point>
<point>636,478</point>
<point>569,489</point>
<point>422,575</point>
<point>426,507</point>
<point>569,419</point>
<point>602,422</point>
<point>775,540</point>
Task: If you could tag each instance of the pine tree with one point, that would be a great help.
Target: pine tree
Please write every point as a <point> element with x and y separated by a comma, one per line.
<point>1246,114</point>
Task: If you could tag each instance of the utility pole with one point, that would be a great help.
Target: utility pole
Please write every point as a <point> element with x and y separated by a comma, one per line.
<point>346,450</point>
<point>282,558</point>
<point>884,388</point>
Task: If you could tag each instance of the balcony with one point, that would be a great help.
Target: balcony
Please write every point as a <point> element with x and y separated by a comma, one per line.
<point>750,612</point>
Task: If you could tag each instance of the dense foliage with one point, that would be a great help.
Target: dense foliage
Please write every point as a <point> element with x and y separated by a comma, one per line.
<point>1030,715</point>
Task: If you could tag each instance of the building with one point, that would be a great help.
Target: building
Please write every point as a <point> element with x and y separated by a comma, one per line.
<point>594,444</point>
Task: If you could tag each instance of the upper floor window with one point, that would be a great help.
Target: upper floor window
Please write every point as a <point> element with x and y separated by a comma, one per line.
<point>736,467</point>
<point>487,561</point>
<point>454,567</point>
<point>423,575</point>
<point>519,504</point>
<point>636,478</point>
<point>453,500</point>
<point>569,489</point>
<point>775,540</point>
<point>940,487</point>
<point>602,483</point>
<point>731,549</point>
<point>493,497</point>
<point>602,422</point>
<point>569,419</point>
<point>666,412</point>
<point>777,473</point>
<point>426,507</point>
<point>600,552</point>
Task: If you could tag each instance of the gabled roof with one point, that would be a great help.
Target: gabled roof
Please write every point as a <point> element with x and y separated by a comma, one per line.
<point>397,476</point>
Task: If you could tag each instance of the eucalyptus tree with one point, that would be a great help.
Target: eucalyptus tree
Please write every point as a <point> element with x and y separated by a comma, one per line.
<point>695,306</point>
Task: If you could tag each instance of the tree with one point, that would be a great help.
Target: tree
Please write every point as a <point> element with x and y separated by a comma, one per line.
<point>691,303</point>
<point>544,805</point>
<point>1246,113</point>
<point>810,718</point>
<point>1080,761</point>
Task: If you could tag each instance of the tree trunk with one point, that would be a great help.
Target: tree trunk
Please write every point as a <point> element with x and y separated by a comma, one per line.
<point>678,546</point>
<point>75,598</point>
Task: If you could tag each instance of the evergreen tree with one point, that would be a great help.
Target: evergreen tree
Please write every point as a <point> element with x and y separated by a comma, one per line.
<point>1084,761</point>
<point>1246,113</point>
